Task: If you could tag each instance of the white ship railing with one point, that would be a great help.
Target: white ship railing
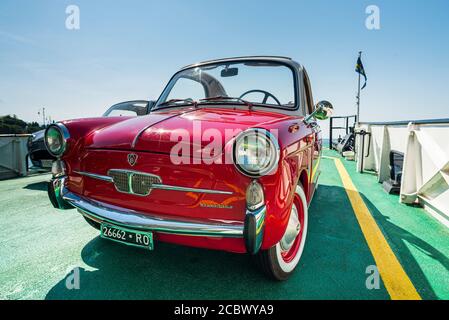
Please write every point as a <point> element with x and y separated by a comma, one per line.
<point>425,145</point>
<point>13,155</point>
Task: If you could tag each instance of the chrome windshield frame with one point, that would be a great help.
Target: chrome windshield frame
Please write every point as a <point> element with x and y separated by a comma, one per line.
<point>293,66</point>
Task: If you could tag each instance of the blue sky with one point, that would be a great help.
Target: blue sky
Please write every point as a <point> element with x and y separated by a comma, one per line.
<point>129,49</point>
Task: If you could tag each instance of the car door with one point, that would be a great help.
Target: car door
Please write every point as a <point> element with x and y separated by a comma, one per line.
<point>315,138</point>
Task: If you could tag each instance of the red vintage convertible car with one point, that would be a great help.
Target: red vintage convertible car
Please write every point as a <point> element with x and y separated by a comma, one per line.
<point>227,159</point>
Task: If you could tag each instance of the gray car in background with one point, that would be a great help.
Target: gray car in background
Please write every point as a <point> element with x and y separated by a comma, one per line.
<point>38,154</point>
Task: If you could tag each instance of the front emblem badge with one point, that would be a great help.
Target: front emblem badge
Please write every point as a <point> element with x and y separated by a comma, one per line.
<point>132,159</point>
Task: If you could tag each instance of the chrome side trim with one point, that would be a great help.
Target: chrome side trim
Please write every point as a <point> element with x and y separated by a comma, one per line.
<point>102,212</point>
<point>95,176</point>
<point>159,186</point>
<point>185,189</point>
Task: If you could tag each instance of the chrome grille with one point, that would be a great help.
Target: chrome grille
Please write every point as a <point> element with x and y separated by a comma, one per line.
<point>133,182</point>
<point>141,184</point>
<point>120,179</point>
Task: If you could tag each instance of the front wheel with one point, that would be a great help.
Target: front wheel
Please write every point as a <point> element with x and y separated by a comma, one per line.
<point>280,261</point>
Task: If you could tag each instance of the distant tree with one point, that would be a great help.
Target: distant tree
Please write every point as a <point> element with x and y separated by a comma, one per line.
<point>33,127</point>
<point>13,125</point>
<point>14,121</point>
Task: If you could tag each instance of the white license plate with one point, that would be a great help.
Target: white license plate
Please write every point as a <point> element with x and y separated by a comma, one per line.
<point>127,236</point>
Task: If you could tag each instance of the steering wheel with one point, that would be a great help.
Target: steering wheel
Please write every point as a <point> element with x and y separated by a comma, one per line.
<point>266,95</point>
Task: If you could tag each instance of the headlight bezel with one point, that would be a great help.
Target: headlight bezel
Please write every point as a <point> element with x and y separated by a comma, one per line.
<point>270,140</point>
<point>65,136</point>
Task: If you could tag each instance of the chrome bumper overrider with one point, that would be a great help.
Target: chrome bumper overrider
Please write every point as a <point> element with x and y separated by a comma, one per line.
<point>251,231</point>
<point>254,229</point>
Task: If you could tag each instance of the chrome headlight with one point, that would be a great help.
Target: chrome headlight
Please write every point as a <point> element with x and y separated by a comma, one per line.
<point>56,137</point>
<point>256,152</point>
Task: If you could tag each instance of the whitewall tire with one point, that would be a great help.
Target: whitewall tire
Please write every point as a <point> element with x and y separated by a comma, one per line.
<point>280,261</point>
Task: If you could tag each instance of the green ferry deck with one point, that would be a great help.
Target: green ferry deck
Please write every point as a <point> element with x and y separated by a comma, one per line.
<point>356,232</point>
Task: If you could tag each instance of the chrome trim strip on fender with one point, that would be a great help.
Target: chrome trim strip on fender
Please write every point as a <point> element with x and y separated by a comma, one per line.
<point>185,189</point>
<point>159,186</point>
<point>95,176</point>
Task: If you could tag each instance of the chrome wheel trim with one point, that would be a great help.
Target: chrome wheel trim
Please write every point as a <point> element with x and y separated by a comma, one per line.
<point>290,266</point>
<point>292,231</point>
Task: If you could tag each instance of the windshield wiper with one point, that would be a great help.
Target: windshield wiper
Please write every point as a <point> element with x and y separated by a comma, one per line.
<point>175,102</point>
<point>218,98</point>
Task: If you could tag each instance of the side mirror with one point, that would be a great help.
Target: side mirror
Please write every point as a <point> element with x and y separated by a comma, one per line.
<point>323,110</point>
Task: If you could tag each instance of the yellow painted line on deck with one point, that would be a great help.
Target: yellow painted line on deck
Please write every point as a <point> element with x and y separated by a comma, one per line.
<point>314,170</point>
<point>396,280</point>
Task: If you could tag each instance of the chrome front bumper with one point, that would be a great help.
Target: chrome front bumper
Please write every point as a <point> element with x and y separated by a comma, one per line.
<point>251,231</point>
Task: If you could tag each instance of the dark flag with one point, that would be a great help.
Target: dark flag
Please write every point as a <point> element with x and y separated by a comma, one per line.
<point>361,70</point>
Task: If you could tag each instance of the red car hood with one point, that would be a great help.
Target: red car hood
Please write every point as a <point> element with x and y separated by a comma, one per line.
<point>159,132</point>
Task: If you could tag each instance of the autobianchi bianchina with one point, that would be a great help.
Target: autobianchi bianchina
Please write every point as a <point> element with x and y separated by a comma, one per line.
<point>243,186</point>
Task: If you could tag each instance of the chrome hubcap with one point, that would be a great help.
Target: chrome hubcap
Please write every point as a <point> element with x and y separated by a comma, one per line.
<point>293,229</point>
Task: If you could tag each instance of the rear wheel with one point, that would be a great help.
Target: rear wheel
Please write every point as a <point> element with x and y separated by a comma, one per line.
<point>280,261</point>
<point>94,224</point>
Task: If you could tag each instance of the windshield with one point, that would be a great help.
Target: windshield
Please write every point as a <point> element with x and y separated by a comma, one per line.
<point>129,108</point>
<point>268,84</point>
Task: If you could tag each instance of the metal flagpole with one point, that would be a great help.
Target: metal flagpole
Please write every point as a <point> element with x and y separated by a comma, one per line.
<point>358,93</point>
